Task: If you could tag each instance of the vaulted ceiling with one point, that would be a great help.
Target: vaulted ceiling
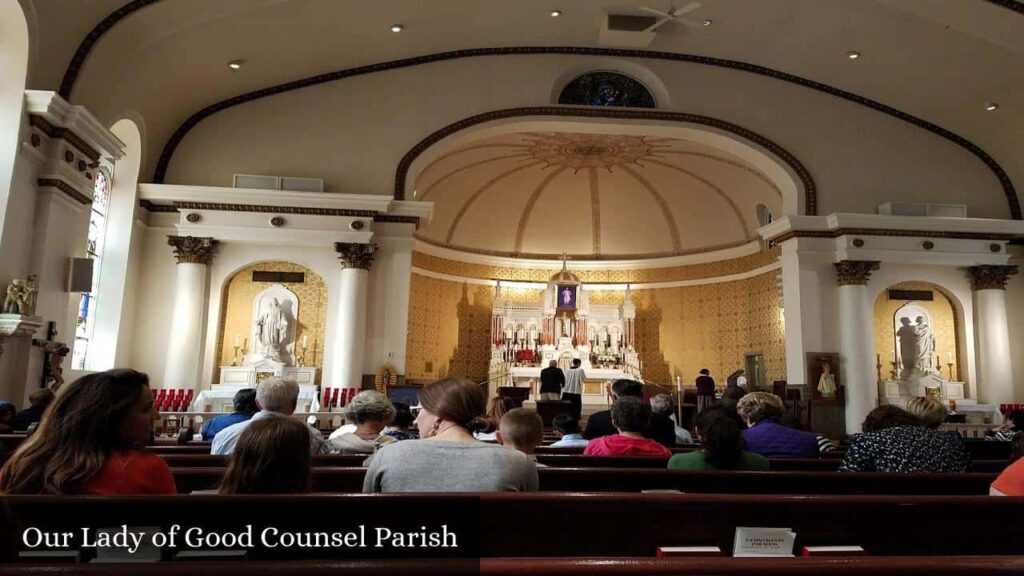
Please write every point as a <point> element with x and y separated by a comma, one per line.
<point>592,195</point>
<point>940,60</point>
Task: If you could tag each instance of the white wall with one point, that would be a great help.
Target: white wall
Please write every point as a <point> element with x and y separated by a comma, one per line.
<point>859,158</point>
<point>1015,318</point>
<point>154,300</point>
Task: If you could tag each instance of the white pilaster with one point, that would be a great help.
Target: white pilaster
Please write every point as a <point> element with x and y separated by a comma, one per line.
<point>856,337</point>
<point>995,371</point>
<point>184,349</point>
<point>350,337</point>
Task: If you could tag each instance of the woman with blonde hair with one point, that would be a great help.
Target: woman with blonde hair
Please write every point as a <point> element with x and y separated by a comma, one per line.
<point>929,411</point>
<point>447,458</point>
<point>271,457</point>
<point>91,440</point>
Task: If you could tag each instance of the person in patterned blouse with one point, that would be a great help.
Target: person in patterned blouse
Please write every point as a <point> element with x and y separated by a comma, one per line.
<point>904,446</point>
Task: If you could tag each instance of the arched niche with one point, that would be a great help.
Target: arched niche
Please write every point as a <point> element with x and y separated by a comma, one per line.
<point>14,58</point>
<point>240,294</point>
<point>899,300</point>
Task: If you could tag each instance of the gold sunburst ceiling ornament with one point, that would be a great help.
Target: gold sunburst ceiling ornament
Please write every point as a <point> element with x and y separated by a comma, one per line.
<point>579,151</point>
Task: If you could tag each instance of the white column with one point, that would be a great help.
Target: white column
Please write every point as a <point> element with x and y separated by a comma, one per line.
<point>995,371</point>
<point>350,337</point>
<point>856,337</point>
<point>185,347</point>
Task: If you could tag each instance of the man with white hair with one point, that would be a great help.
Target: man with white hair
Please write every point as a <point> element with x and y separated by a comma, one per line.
<point>276,398</point>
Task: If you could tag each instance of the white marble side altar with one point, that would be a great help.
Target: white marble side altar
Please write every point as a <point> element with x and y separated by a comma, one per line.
<point>219,399</point>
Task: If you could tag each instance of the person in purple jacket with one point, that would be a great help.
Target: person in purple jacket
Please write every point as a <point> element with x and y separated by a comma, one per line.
<point>766,436</point>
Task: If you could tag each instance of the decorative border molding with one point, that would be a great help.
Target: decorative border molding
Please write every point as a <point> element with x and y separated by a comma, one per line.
<point>1014,5</point>
<point>193,120</point>
<point>68,136</point>
<point>149,206</point>
<point>74,68</point>
<point>397,219</point>
<point>65,188</point>
<point>892,233</point>
<point>273,209</point>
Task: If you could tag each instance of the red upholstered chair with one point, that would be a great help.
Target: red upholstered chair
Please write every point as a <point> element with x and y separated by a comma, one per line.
<point>348,394</point>
<point>326,402</point>
<point>158,399</point>
<point>189,394</point>
<point>334,398</point>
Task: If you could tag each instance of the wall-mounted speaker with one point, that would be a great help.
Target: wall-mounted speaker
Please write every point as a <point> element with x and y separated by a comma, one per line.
<point>80,274</point>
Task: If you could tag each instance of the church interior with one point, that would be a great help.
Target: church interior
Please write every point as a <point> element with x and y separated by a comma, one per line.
<point>423,231</point>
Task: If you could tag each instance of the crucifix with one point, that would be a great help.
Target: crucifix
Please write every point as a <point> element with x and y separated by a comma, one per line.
<point>565,258</point>
<point>54,353</point>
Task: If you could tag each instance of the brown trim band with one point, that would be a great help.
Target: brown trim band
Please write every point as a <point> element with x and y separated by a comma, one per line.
<point>68,136</point>
<point>151,207</point>
<point>397,219</point>
<point>65,188</point>
<point>172,143</point>
<point>274,209</point>
<point>67,84</point>
<point>890,233</point>
<point>1014,5</point>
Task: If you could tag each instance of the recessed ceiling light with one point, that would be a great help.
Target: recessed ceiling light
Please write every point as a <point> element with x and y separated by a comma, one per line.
<point>397,27</point>
<point>235,64</point>
<point>991,106</point>
<point>853,55</point>
<point>708,22</point>
<point>556,13</point>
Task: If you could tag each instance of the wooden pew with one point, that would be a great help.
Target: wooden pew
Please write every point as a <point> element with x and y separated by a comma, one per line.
<point>559,524</point>
<point>605,566</point>
<point>350,480</point>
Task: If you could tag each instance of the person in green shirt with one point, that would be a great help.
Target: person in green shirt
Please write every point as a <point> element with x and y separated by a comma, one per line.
<point>719,431</point>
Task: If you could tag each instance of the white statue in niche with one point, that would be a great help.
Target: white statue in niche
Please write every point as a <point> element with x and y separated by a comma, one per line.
<point>915,341</point>
<point>272,329</point>
<point>273,326</point>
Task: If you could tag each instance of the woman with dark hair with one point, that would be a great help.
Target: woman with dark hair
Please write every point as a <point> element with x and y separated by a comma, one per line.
<point>400,423</point>
<point>271,457</point>
<point>720,432</point>
<point>90,442</point>
<point>496,409</point>
<point>448,458</point>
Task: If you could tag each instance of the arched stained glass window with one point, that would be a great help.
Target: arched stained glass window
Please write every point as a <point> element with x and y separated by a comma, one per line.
<point>606,89</point>
<point>86,324</point>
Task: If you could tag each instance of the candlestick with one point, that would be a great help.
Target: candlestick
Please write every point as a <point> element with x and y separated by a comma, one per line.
<point>892,374</point>
<point>878,366</point>
<point>951,378</point>
<point>235,360</point>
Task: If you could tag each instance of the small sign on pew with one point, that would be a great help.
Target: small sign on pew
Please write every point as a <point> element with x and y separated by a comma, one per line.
<point>833,551</point>
<point>763,542</point>
<point>689,551</point>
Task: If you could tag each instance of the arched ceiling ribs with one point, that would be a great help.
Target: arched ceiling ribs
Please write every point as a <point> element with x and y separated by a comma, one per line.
<point>487,185</point>
<point>524,218</point>
<point>670,220</point>
<point>721,193</point>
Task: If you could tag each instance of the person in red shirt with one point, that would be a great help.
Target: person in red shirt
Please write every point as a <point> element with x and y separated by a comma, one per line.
<point>1011,481</point>
<point>630,416</point>
<point>90,441</point>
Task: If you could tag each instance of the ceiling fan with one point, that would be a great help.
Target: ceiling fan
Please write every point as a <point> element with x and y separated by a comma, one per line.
<point>673,15</point>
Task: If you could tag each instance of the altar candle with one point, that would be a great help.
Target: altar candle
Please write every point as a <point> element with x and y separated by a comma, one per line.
<point>949,356</point>
<point>245,343</point>
<point>305,340</point>
<point>238,340</point>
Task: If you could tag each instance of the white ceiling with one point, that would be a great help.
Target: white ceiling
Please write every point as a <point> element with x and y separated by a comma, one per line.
<point>938,59</point>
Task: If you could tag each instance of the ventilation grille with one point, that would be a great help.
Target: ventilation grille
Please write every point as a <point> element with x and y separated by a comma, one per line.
<point>923,209</point>
<point>258,182</point>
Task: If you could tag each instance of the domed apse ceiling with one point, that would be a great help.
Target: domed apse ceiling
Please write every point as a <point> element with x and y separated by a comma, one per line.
<point>592,196</point>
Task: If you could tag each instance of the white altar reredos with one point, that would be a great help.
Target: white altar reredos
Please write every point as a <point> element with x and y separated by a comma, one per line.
<point>917,366</point>
<point>563,325</point>
<point>272,337</point>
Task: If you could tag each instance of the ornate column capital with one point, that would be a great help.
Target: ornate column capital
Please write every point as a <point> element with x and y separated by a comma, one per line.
<point>192,249</point>
<point>355,255</point>
<point>990,277</point>
<point>852,272</point>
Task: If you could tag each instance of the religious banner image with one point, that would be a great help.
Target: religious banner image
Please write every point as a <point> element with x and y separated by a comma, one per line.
<point>566,297</point>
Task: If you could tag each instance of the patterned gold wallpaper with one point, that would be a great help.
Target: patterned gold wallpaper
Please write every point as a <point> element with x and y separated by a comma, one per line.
<point>691,272</point>
<point>236,311</point>
<point>680,330</point>
<point>943,325</point>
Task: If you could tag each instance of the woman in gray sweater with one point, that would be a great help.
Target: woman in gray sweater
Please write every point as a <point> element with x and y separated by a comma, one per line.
<point>448,458</point>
